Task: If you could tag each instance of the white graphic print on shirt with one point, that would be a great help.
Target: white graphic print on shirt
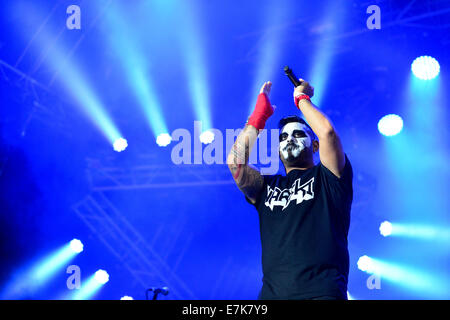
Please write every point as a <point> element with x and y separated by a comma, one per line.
<point>278,197</point>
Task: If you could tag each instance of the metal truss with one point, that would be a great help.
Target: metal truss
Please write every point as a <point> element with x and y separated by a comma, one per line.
<point>43,106</point>
<point>148,267</point>
<point>429,14</point>
<point>103,177</point>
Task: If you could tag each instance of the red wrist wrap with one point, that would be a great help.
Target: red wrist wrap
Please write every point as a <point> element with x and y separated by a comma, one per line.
<point>263,110</point>
<point>301,97</point>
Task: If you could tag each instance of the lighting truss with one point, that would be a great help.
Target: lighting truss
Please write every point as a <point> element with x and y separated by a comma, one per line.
<point>148,267</point>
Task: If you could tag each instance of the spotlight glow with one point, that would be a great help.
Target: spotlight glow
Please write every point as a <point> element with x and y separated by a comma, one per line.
<point>90,286</point>
<point>76,245</point>
<point>120,144</point>
<point>390,125</point>
<point>386,228</point>
<point>207,137</point>
<point>365,264</point>
<point>31,279</point>
<point>164,139</point>
<point>417,231</point>
<point>73,78</point>
<point>101,276</point>
<point>405,276</point>
<point>126,298</point>
<point>136,66</point>
<point>425,67</point>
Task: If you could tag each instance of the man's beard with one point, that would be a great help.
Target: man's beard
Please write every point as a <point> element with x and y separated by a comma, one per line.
<point>296,155</point>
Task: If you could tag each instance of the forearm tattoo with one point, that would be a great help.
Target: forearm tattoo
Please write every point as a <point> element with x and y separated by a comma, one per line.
<point>248,180</point>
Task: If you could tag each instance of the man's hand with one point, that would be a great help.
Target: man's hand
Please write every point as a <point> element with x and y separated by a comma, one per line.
<point>304,88</point>
<point>263,109</point>
<point>266,88</point>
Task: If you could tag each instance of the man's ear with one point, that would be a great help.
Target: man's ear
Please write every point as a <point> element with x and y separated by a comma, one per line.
<point>315,146</point>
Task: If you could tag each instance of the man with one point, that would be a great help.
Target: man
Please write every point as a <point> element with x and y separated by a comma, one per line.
<point>305,215</point>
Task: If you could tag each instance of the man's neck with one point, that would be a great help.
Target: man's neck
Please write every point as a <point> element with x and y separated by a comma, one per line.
<point>289,169</point>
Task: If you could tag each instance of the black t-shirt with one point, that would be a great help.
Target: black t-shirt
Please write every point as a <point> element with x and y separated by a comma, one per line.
<point>304,220</point>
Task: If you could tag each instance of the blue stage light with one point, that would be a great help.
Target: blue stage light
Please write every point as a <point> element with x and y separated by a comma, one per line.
<point>76,81</point>
<point>425,67</point>
<point>385,228</point>
<point>27,282</point>
<point>120,144</point>
<point>404,276</point>
<point>207,137</point>
<point>90,286</point>
<point>390,125</point>
<point>101,276</point>
<point>163,139</point>
<point>126,298</point>
<point>365,263</point>
<point>136,66</point>
<point>418,231</point>
<point>76,246</point>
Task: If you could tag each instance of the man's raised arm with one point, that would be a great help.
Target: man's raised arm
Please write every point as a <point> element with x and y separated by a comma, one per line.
<point>248,179</point>
<point>330,150</point>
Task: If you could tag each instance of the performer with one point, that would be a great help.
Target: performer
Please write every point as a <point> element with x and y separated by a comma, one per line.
<point>305,215</point>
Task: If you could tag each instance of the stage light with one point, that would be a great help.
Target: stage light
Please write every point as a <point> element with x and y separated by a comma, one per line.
<point>101,276</point>
<point>390,125</point>
<point>164,139</point>
<point>268,52</point>
<point>28,281</point>
<point>425,67</point>
<point>365,264</point>
<point>207,137</point>
<point>385,228</point>
<point>90,286</point>
<point>418,231</point>
<point>126,298</point>
<point>196,63</point>
<point>76,246</point>
<point>120,144</point>
<point>326,31</point>
<point>408,277</point>
<point>72,77</point>
<point>136,66</point>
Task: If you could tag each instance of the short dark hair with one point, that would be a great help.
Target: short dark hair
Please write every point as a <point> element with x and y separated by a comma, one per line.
<point>284,121</point>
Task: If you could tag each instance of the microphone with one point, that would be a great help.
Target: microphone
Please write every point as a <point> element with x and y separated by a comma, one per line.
<point>292,76</point>
<point>164,291</point>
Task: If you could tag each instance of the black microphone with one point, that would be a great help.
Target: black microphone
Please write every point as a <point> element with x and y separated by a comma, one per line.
<point>164,291</point>
<point>292,76</point>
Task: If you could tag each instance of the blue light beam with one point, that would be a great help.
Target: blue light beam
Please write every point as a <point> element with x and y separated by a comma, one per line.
<point>136,68</point>
<point>327,30</point>
<point>269,51</point>
<point>91,286</point>
<point>425,68</point>
<point>415,231</point>
<point>72,78</point>
<point>405,276</point>
<point>196,64</point>
<point>29,281</point>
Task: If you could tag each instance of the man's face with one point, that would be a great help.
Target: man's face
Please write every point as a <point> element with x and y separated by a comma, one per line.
<point>294,138</point>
